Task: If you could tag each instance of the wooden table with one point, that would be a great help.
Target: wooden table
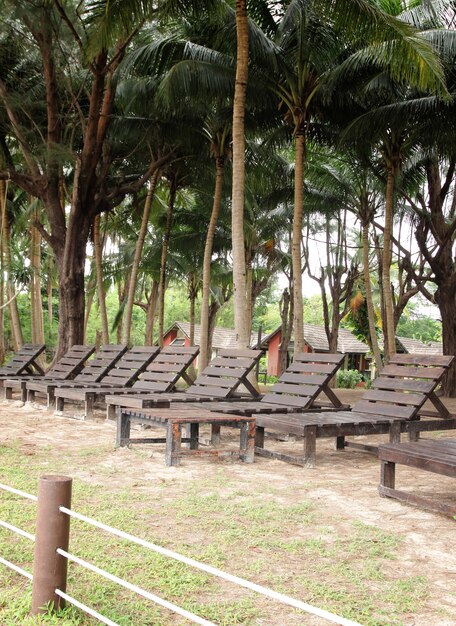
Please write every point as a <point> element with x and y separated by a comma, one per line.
<point>437,456</point>
<point>192,417</point>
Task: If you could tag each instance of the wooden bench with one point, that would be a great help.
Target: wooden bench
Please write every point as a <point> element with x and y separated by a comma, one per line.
<point>66,368</point>
<point>219,380</point>
<point>23,362</point>
<point>437,456</point>
<point>70,370</point>
<point>298,389</point>
<point>173,420</point>
<point>392,407</point>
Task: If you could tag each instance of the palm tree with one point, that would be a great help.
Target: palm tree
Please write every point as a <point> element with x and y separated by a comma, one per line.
<point>312,40</point>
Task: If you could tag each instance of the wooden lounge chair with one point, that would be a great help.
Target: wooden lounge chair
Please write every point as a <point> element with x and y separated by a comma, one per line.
<point>161,375</point>
<point>95,369</point>
<point>65,368</point>
<point>124,373</point>
<point>392,406</point>
<point>437,456</point>
<point>220,379</point>
<point>298,389</point>
<point>23,362</point>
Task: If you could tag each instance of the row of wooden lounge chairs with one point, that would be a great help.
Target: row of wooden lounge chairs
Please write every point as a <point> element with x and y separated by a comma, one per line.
<point>139,385</point>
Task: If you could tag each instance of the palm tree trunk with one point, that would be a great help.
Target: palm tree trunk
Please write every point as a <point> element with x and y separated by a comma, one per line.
<point>15,322</point>
<point>88,308</point>
<point>137,259</point>
<point>150,314</point>
<point>204,356</point>
<point>161,286</point>
<point>237,210</point>
<point>2,310</point>
<point>388,322</point>
<point>35,289</point>
<point>98,253</point>
<point>298,327</point>
<point>370,300</point>
<point>49,295</point>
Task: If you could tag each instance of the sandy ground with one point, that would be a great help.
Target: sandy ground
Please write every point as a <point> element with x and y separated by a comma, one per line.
<point>343,483</point>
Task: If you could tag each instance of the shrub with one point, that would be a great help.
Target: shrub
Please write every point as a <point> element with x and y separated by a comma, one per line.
<point>348,379</point>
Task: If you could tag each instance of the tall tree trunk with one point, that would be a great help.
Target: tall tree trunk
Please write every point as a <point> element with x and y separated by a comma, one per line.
<point>237,208</point>
<point>2,302</point>
<point>162,284</point>
<point>388,322</point>
<point>370,300</point>
<point>88,309</point>
<point>204,355</point>
<point>15,322</point>
<point>249,297</point>
<point>35,288</point>
<point>98,253</point>
<point>296,254</point>
<point>49,294</point>
<point>286,314</point>
<point>150,314</point>
<point>137,260</point>
<point>192,295</point>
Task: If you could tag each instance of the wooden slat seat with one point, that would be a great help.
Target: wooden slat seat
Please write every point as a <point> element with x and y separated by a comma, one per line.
<point>437,456</point>
<point>219,380</point>
<point>124,373</point>
<point>66,368</point>
<point>299,388</point>
<point>23,362</point>
<point>393,406</point>
<point>95,369</point>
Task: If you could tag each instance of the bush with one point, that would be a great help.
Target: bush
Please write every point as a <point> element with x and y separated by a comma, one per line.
<point>348,379</point>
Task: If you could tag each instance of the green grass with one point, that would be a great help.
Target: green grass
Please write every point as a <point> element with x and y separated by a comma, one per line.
<point>292,546</point>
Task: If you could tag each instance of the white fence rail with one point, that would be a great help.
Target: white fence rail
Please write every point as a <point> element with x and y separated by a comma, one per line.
<point>62,595</point>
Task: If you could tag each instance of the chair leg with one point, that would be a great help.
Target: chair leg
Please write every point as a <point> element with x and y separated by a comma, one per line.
<point>310,446</point>
<point>173,444</point>
<point>59,404</point>
<point>50,399</point>
<point>123,430</point>
<point>340,443</point>
<point>247,442</point>
<point>194,436</point>
<point>8,393</point>
<point>387,474</point>
<point>89,404</point>
<point>215,434</point>
<point>111,412</point>
<point>395,432</point>
<point>24,392</point>
<point>259,437</point>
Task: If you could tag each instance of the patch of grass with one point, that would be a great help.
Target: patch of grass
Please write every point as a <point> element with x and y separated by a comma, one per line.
<point>292,546</point>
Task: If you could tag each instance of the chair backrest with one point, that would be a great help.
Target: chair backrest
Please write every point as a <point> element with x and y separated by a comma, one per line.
<point>404,385</point>
<point>71,363</point>
<point>167,368</point>
<point>103,361</point>
<point>130,366</point>
<point>225,373</point>
<point>304,379</point>
<point>22,360</point>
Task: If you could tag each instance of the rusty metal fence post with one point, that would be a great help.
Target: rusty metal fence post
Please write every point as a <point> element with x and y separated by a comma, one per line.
<point>52,532</point>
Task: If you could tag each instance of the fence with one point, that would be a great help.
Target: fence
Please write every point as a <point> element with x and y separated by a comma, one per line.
<point>51,559</point>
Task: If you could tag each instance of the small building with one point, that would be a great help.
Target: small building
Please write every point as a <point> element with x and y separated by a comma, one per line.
<point>179,333</point>
<point>316,341</point>
<point>407,345</point>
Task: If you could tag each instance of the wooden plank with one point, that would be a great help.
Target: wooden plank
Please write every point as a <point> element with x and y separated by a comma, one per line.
<point>434,373</point>
<point>304,379</point>
<point>297,390</point>
<point>403,384</point>
<point>309,368</point>
<point>422,359</point>
<point>291,401</point>
<point>414,399</point>
<point>225,362</point>
<point>384,410</point>
<point>419,501</point>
